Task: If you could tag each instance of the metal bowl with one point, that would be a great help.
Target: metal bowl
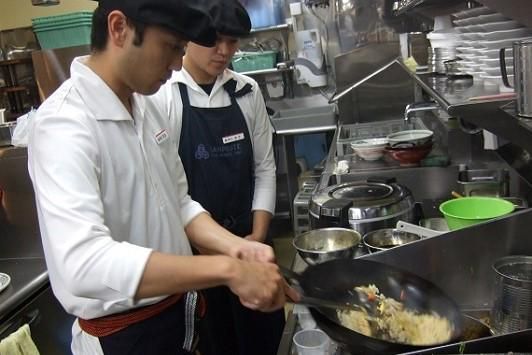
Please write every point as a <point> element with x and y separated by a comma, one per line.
<point>320,245</point>
<point>386,238</point>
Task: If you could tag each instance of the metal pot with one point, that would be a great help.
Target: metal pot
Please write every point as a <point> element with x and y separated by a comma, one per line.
<point>387,238</point>
<point>362,205</point>
<point>320,245</point>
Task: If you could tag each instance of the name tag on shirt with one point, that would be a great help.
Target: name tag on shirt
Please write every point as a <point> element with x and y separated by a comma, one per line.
<point>161,136</point>
<point>233,138</point>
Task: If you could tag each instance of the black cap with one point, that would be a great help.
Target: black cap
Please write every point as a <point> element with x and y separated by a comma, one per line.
<point>230,18</point>
<point>188,18</point>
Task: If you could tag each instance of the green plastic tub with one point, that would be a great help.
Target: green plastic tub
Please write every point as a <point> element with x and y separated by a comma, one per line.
<point>466,211</point>
<point>251,61</point>
<point>66,30</point>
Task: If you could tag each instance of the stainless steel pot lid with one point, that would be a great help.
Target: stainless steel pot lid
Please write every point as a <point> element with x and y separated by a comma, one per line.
<point>362,200</point>
<point>362,192</point>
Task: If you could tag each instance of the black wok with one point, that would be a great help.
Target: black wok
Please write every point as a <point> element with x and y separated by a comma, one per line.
<point>336,279</point>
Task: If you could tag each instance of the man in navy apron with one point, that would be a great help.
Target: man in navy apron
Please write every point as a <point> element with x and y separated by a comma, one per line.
<point>226,149</point>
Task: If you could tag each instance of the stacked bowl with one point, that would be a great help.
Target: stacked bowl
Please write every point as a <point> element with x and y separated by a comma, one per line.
<point>482,34</point>
<point>409,147</point>
<point>370,149</point>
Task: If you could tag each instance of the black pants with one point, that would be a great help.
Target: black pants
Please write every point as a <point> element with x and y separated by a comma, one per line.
<point>232,329</point>
<point>162,334</point>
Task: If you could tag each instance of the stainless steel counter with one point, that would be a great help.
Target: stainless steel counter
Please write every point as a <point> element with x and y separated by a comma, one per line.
<point>459,262</point>
<point>28,275</point>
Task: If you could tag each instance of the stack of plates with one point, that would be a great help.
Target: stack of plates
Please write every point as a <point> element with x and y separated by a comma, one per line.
<point>483,33</point>
<point>443,42</point>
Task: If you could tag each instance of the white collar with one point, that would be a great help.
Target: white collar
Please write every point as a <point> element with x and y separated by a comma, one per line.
<point>100,100</point>
<point>183,76</point>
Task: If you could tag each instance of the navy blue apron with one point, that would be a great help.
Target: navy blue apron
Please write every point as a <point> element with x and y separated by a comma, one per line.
<point>217,155</point>
<point>161,334</point>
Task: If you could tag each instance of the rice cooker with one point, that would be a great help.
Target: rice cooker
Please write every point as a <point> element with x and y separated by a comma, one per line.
<point>362,205</point>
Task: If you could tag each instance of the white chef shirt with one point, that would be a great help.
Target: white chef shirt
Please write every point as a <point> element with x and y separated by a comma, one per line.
<point>256,116</point>
<point>110,188</point>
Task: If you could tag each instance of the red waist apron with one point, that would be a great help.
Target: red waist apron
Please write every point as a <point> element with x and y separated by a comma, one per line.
<point>112,324</point>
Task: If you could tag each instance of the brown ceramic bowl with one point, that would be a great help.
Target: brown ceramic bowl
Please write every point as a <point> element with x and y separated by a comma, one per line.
<point>408,156</point>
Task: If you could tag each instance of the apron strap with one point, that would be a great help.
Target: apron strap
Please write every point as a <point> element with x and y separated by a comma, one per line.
<point>230,87</point>
<point>184,94</point>
<point>191,301</point>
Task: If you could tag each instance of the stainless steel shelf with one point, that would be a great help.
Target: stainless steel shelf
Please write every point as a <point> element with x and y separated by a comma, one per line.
<point>504,122</point>
<point>496,115</point>
<point>457,96</point>
<point>267,71</point>
<point>454,96</point>
<point>283,26</point>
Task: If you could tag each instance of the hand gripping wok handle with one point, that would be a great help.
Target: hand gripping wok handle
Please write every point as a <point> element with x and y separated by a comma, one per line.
<point>290,275</point>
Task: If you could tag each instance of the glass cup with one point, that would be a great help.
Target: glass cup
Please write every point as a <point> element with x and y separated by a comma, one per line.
<point>311,342</point>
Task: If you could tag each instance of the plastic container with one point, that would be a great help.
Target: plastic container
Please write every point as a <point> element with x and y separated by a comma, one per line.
<point>311,342</point>
<point>304,317</point>
<point>61,19</point>
<point>467,211</point>
<point>250,61</point>
<point>67,30</point>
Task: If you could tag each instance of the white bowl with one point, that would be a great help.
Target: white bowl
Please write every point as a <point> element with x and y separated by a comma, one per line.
<point>495,62</point>
<point>370,154</point>
<point>413,137</point>
<point>476,11</point>
<point>369,143</point>
<point>370,149</point>
<point>496,71</point>
<point>499,26</point>
<point>492,53</point>
<point>471,36</point>
<point>501,43</point>
<point>506,34</point>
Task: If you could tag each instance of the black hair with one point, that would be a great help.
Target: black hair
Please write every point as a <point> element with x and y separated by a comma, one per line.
<point>99,30</point>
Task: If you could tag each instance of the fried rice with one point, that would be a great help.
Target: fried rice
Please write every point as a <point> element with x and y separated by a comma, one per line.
<point>394,323</point>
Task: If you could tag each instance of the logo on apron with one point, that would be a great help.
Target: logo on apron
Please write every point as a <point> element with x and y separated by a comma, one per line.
<point>201,152</point>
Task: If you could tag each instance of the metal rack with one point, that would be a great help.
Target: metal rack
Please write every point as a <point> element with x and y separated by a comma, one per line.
<point>458,99</point>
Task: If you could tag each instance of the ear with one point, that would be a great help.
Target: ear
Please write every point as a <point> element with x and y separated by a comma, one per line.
<point>117,27</point>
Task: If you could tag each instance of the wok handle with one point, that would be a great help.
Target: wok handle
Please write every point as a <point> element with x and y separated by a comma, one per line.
<point>290,275</point>
<point>319,302</point>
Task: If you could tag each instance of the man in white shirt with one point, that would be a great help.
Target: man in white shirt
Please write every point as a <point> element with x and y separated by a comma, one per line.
<point>115,218</point>
<point>225,144</point>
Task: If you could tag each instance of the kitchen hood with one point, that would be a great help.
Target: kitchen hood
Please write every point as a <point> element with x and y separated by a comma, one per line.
<point>44,2</point>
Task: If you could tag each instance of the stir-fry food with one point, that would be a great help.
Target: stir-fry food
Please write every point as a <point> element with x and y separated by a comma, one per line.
<point>392,322</point>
